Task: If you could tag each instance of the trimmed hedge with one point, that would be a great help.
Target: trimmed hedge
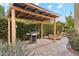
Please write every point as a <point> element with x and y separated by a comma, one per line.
<point>48,29</point>
<point>22,29</point>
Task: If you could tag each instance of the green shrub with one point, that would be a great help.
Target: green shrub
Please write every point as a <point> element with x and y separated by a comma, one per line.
<point>23,28</point>
<point>48,29</point>
<point>13,50</point>
<point>73,38</point>
<point>3,29</point>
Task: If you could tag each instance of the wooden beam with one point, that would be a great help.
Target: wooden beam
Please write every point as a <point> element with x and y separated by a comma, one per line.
<point>21,14</point>
<point>41,30</point>
<point>9,39</point>
<point>54,29</point>
<point>28,12</point>
<point>26,7</point>
<point>40,10</point>
<point>13,26</point>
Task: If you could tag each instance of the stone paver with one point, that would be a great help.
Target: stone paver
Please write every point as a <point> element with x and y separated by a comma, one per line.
<point>45,47</point>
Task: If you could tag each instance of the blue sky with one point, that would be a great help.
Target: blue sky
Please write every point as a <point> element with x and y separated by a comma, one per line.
<point>64,9</point>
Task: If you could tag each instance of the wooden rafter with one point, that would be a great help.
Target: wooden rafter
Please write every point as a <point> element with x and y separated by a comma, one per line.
<point>22,10</point>
<point>38,16</point>
<point>32,5</point>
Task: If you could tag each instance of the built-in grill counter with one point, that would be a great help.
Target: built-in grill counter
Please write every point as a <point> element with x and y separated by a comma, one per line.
<point>33,36</point>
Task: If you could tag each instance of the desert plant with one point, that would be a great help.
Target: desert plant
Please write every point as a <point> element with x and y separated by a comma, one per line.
<point>73,38</point>
<point>13,50</point>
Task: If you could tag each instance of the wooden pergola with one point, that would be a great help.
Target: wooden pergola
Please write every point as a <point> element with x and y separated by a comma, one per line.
<point>28,11</point>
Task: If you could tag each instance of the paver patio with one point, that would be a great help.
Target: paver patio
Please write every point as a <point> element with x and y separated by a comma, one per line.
<point>45,47</point>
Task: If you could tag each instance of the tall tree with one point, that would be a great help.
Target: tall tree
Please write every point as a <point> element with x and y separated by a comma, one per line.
<point>70,21</point>
<point>60,26</point>
<point>2,12</point>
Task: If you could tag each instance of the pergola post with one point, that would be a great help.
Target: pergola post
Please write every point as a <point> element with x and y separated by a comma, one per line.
<point>54,29</point>
<point>41,30</point>
<point>13,26</point>
<point>9,31</point>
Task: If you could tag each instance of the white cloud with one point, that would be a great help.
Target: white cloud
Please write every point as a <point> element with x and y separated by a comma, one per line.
<point>60,6</point>
<point>61,18</point>
<point>55,11</point>
<point>49,7</point>
<point>36,3</point>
